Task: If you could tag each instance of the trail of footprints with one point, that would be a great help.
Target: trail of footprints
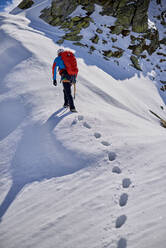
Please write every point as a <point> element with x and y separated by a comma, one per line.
<point>120,220</point>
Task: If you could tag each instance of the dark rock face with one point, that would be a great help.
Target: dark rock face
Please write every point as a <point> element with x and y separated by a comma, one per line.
<point>140,19</point>
<point>62,8</point>
<point>25,4</point>
<point>58,15</point>
<point>135,62</point>
<point>153,36</point>
<point>116,54</point>
<point>124,13</point>
<point>130,15</point>
<point>128,12</point>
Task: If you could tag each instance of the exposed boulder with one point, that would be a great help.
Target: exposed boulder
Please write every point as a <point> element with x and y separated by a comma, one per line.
<point>110,7</point>
<point>59,15</point>
<point>95,39</point>
<point>153,36</point>
<point>139,44</point>
<point>99,31</point>
<point>89,8</point>
<point>59,10</point>
<point>116,29</point>
<point>79,44</point>
<point>125,13</point>
<point>125,32</point>
<point>92,49</point>
<point>140,19</point>
<point>139,47</point>
<point>135,62</point>
<point>163,18</point>
<point>45,15</point>
<point>128,12</point>
<point>130,15</point>
<point>115,54</point>
<point>72,36</point>
<point>163,41</point>
<point>25,4</point>
<point>62,8</point>
<point>108,53</point>
<point>60,41</point>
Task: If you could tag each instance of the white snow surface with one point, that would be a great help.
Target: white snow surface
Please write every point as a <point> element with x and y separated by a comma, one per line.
<point>92,179</point>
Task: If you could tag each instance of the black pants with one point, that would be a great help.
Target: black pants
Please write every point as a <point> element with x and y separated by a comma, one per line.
<point>68,99</point>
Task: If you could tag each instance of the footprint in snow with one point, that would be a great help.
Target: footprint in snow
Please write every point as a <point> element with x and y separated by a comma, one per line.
<point>111,156</point>
<point>116,170</point>
<point>122,243</point>
<point>80,117</point>
<point>97,135</point>
<point>120,221</point>
<point>126,182</point>
<point>123,200</point>
<point>105,143</point>
<point>85,124</point>
<point>74,122</point>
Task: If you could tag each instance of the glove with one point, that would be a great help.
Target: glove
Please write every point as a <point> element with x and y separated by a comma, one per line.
<point>55,82</point>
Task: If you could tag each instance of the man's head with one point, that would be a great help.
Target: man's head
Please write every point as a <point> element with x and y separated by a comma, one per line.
<point>61,50</point>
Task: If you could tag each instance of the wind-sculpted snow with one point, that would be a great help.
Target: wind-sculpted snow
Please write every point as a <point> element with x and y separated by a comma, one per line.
<point>11,54</point>
<point>34,160</point>
<point>12,114</point>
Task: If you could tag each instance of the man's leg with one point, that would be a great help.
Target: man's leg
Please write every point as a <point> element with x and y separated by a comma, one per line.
<point>67,93</point>
<point>66,103</point>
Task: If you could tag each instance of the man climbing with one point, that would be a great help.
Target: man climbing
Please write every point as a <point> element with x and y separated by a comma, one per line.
<point>67,66</point>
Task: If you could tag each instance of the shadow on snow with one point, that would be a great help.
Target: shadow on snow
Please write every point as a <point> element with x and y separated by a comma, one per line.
<point>40,156</point>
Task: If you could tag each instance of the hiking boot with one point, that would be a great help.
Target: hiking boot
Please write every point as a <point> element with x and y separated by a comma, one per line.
<point>66,105</point>
<point>73,110</point>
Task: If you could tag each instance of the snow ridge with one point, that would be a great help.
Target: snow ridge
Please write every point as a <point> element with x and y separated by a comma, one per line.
<point>95,178</point>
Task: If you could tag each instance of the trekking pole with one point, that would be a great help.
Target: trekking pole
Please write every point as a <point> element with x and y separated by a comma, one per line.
<point>74,90</point>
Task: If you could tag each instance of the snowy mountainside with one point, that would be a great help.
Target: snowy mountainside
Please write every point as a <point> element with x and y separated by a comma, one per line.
<point>92,179</point>
<point>144,50</point>
<point>94,32</point>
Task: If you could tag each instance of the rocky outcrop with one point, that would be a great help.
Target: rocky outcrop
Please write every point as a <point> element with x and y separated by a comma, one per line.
<point>128,12</point>
<point>140,19</point>
<point>139,44</point>
<point>163,18</point>
<point>95,39</point>
<point>115,54</point>
<point>58,12</point>
<point>153,36</point>
<point>163,41</point>
<point>130,15</point>
<point>124,13</point>
<point>135,62</point>
<point>25,4</point>
<point>58,15</point>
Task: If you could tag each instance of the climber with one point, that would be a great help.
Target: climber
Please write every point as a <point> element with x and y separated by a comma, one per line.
<point>67,66</point>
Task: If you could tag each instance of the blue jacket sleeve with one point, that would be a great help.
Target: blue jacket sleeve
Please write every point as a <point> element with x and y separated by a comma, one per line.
<point>58,62</point>
<point>54,68</point>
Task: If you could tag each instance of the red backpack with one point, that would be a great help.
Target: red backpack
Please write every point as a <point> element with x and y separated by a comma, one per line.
<point>70,62</point>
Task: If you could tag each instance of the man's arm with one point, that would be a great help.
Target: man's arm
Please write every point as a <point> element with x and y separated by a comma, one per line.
<point>54,67</point>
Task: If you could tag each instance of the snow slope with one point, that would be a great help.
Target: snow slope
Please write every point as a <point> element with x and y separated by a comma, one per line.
<point>92,179</point>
